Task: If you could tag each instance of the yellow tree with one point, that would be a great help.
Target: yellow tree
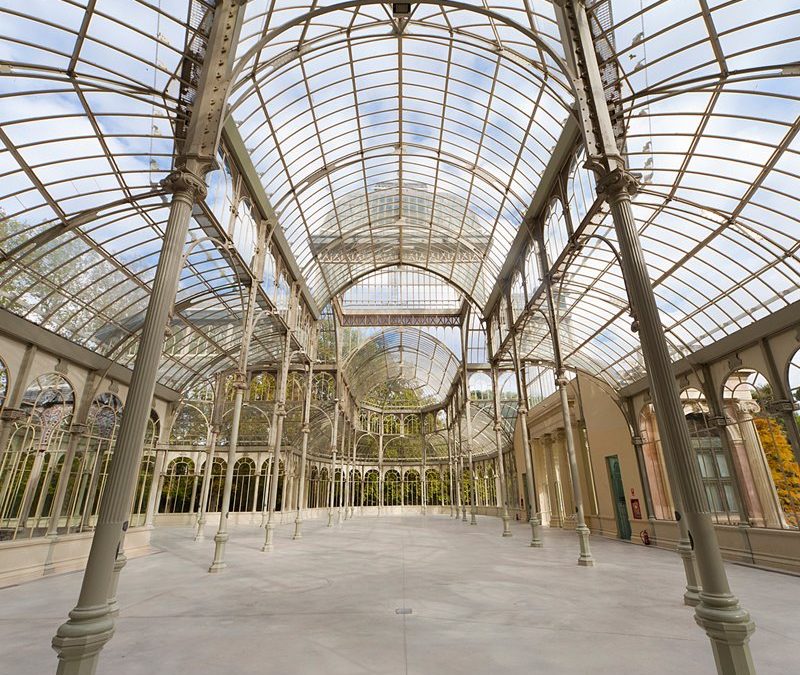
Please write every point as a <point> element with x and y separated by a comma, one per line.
<point>785,471</point>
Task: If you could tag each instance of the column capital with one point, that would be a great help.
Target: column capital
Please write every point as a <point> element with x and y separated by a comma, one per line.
<point>239,380</point>
<point>183,180</point>
<point>616,183</point>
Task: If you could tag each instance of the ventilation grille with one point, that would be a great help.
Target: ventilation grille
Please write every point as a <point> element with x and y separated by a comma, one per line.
<point>200,17</point>
<point>601,24</point>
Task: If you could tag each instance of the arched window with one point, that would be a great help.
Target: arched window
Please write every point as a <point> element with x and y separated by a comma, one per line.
<point>191,426</point>
<point>433,488</point>
<point>371,488</point>
<point>412,495</point>
<point>532,275</point>
<point>324,387</point>
<point>491,486</point>
<point>517,295</point>
<point>313,489</point>
<point>757,432</point>
<point>391,488</point>
<point>556,235</point>
<point>391,425</point>
<point>244,230</point>
<point>36,445</point>
<point>242,492</point>
<point>217,485</point>
<point>254,426</point>
<point>480,387</point>
<point>367,447</point>
<point>262,387</point>
<point>3,383</point>
<point>715,467</point>
<point>146,469</point>
<point>324,488</point>
<point>374,423</point>
<point>355,486</point>
<point>295,387</point>
<point>410,424</point>
<point>654,464</point>
<point>103,421</point>
<point>581,191</point>
<point>221,191</point>
<point>179,490</point>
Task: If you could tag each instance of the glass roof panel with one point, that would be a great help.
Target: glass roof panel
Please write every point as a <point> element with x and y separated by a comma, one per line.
<point>403,143</point>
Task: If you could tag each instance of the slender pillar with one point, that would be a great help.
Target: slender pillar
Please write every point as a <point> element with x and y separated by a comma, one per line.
<point>450,470</point>
<point>585,558</point>
<point>270,464</point>
<point>460,492</point>
<point>222,536</point>
<point>334,441</point>
<point>728,625</point>
<point>380,466</point>
<point>342,470</point>
<point>240,386</point>
<point>211,448</point>
<point>500,462</point>
<point>301,487</point>
<point>77,433</point>
<point>351,474</point>
<point>424,478</point>
<point>78,642</point>
<point>280,407</point>
<point>331,483</point>
<point>534,519</point>
<point>154,493</point>
<point>472,487</point>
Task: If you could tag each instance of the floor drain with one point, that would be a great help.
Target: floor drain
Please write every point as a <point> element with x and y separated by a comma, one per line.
<point>403,610</point>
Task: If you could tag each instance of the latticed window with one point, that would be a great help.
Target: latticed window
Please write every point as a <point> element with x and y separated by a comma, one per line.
<point>262,387</point>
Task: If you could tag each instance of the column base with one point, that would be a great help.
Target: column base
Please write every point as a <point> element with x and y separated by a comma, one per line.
<point>219,564</point>
<point>267,547</point>
<point>78,642</point>
<point>585,558</point>
<point>506,526</point>
<point>729,628</point>
<point>536,533</point>
<point>200,535</point>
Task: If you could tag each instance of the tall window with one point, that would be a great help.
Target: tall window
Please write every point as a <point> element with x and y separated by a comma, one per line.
<point>715,467</point>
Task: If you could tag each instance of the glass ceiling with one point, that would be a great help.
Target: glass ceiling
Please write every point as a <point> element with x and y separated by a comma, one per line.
<point>390,142</point>
<point>396,361</point>
<point>712,113</point>
<point>384,141</point>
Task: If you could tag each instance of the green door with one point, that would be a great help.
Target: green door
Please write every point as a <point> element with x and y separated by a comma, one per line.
<point>618,493</point>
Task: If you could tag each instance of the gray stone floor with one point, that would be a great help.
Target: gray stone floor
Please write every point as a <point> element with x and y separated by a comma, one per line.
<point>480,604</point>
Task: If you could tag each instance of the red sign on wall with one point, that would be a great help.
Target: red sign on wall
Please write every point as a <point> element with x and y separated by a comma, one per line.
<point>636,509</point>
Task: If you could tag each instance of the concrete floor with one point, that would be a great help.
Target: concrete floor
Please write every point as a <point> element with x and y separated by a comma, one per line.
<point>480,604</point>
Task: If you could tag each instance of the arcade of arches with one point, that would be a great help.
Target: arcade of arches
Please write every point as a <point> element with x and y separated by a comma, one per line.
<point>273,270</point>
